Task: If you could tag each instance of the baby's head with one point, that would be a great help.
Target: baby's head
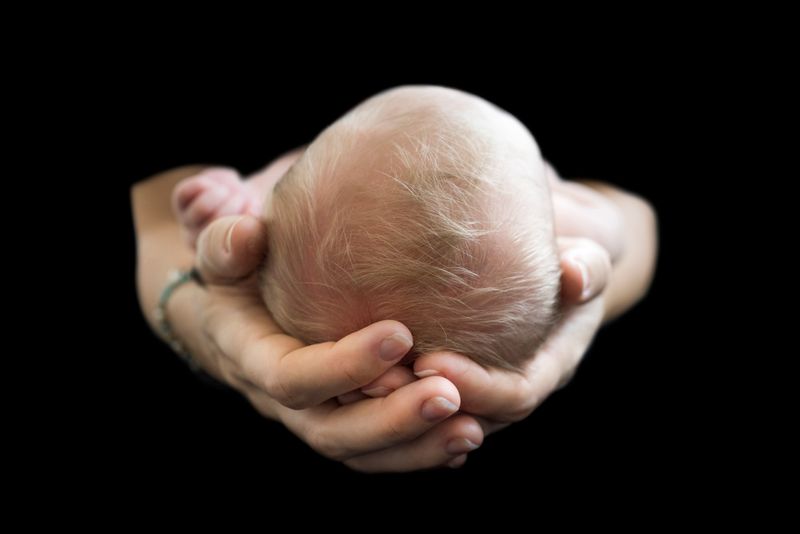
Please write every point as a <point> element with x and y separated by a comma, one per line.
<point>424,205</point>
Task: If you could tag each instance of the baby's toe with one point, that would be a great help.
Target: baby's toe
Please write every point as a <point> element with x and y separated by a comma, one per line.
<point>192,187</point>
<point>187,190</point>
<point>235,204</point>
<point>222,176</point>
<point>205,206</point>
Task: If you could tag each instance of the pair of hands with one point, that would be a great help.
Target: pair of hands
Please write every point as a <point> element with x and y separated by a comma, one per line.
<point>347,399</point>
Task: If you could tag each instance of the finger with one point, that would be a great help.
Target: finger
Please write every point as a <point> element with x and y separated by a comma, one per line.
<point>300,376</point>
<point>231,248</point>
<point>351,397</point>
<point>557,360</point>
<point>506,396</point>
<point>457,462</point>
<point>393,379</point>
<point>585,269</point>
<point>373,424</point>
<point>445,444</point>
<point>490,426</point>
<point>484,391</point>
<point>551,173</point>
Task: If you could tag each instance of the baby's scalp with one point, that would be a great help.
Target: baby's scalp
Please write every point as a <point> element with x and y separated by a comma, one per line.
<point>424,205</point>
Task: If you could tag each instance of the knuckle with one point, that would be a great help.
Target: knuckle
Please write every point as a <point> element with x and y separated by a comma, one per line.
<point>352,373</point>
<point>519,397</point>
<point>392,430</point>
<point>521,412</point>
<point>285,392</point>
<point>279,393</point>
<point>531,393</point>
<point>275,388</point>
<point>544,385</point>
<point>523,403</point>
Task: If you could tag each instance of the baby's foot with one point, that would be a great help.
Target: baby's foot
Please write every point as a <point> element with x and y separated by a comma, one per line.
<point>214,192</point>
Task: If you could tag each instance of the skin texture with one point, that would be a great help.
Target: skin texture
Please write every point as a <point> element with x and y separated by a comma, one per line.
<point>348,399</point>
<point>229,332</point>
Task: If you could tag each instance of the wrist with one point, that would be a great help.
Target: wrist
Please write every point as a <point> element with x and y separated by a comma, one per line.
<point>186,323</point>
<point>632,276</point>
<point>159,246</point>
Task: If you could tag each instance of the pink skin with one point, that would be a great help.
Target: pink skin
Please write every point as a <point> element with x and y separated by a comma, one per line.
<point>574,289</point>
<point>215,192</point>
<point>220,191</point>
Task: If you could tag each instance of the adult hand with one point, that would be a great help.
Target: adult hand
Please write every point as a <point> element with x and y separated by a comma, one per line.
<point>501,397</point>
<point>228,328</point>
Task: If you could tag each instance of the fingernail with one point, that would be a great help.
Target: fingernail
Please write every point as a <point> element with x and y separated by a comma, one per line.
<point>457,462</point>
<point>395,346</point>
<point>585,289</point>
<point>377,391</point>
<point>426,373</point>
<point>229,236</point>
<point>460,446</point>
<point>437,408</point>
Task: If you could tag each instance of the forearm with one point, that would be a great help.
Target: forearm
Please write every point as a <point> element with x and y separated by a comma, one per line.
<point>633,271</point>
<point>160,247</point>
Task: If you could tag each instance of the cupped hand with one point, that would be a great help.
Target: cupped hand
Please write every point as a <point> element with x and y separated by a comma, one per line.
<point>410,428</point>
<point>502,397</point>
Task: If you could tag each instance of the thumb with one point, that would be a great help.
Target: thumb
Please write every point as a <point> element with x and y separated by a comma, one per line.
<point>230,248</point>
<point>585,269</point>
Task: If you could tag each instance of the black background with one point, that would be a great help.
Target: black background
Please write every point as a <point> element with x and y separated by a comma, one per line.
<point>624,417</point>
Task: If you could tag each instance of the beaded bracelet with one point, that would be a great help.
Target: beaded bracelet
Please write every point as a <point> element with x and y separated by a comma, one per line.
<point>175,280</point>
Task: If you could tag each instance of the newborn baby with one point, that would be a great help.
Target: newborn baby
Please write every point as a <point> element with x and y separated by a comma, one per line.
<point>424,205</point>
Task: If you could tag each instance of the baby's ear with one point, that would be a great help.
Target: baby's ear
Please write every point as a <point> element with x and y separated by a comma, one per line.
<point>585,269</point>
<point>231,248</point>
